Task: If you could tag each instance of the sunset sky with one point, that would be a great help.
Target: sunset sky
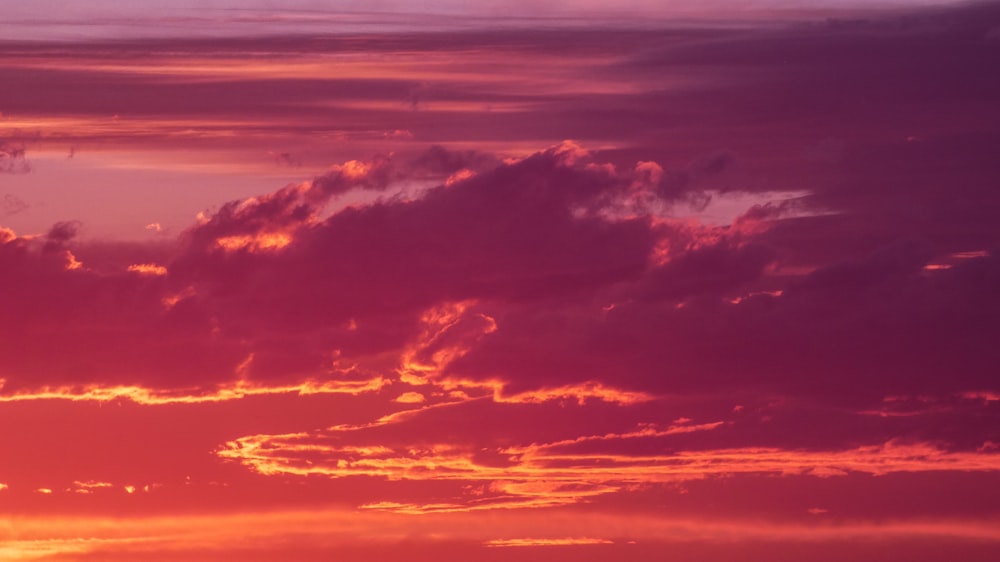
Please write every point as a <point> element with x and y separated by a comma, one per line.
<point>534,281</point>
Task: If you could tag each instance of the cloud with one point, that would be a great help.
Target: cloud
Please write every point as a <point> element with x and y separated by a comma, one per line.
<point>61,233</point>
<point>76,325</point>
<point>572,470</point>
<point>438,160</point>
<point>559,246</point>
<point>154,397</point>
<point>525,542</point>
<point>13,159</point>
<point>247,275</point>
<point>11,205</point>
<point>510,232</point>
<point>269,221</point>
<point>713,270</point>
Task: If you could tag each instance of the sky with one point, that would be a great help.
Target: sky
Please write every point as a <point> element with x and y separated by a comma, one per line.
<point>496,281</point>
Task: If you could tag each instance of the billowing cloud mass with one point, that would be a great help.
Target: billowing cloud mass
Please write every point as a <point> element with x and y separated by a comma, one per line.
<point>720,289</point>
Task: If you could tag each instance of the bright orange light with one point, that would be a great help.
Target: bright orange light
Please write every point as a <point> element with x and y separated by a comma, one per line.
<point>235,391</point>
<point>410,398</point>
<point>545,542</point>
<point>256,242</point>
<point>124,538</point>
<point>71,262</point>
<point>147,269</point>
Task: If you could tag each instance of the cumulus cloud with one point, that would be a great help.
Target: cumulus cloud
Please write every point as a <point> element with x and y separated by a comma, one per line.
<point>258,267</point>
<point>529,244</point>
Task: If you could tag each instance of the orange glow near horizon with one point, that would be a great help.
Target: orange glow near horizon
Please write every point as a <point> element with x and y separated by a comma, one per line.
<point>122,538</point>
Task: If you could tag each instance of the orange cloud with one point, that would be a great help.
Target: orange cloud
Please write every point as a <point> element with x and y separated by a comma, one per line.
<point>451,330</point>
<point>147,269</point>
<point>545,542</point>
<point>256,242</point>
<point>447,334</point>
<point>71,262</point>
<point>89,487</point>
<point>578,392</point>
<point>410,398</point>
<point>151,396</point>
<point>562,472</point>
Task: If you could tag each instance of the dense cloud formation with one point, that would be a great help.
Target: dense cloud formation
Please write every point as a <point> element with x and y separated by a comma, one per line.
<point>557,246</point>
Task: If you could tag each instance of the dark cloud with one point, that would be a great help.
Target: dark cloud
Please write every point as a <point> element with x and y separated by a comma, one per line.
<point>11,204</point>
<point>713,270</point>
<point>61,233</point>
<point>847,333</point>
<point>438,160</point>
<point>67,324</point>
<point>268,276</point>
<point>13,159</point>
<point>532,241</point>
<point>513,232</point>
